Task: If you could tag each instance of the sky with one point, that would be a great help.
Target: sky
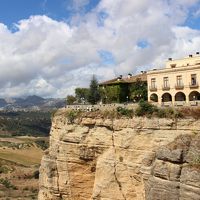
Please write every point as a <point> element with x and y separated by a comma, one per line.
<point>50,47</point>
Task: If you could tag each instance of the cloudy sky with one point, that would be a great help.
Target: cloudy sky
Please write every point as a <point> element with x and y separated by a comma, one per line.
<point>50,47</point>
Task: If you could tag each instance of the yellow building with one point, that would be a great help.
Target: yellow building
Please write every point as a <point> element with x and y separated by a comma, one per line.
<point>177,84</point>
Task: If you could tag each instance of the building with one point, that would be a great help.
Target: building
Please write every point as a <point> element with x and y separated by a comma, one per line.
<point>119,89</point>
<point>177,84</point>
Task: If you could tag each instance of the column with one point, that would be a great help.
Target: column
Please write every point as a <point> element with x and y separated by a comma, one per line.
<point>187,98</point>
<point>173,100</point>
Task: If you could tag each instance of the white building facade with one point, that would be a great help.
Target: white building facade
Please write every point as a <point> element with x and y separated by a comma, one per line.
<point>177,84</point>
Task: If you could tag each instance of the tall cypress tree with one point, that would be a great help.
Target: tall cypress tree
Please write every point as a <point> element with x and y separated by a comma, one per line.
<point>94,94</point>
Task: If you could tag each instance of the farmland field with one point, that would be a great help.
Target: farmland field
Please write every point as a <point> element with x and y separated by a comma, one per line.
<point>19,164</point>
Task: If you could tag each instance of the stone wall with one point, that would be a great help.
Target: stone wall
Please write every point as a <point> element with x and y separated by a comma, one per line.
<point>121,159</point>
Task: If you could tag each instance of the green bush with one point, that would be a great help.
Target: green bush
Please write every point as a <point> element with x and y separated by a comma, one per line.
<point>125,112</point>
<point>72,115</point>
<point>161,113</point>
<point>4,169</point>
<point>7,183</point>
<point>42,143</point>
<point>145,108</point>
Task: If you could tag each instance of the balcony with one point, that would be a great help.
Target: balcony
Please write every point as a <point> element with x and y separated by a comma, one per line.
<point>153,88</point>
<point>179,86</point>
<point>166,87</point>
<point>194,85</point>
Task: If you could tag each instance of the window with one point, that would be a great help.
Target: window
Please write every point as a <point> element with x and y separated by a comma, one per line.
<point>166,81</point>
<point>153,83</point>
<point>193,79</point>
<point>179,80</point>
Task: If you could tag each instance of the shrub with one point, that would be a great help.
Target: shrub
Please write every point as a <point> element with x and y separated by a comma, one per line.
<point>191,112</point>
<point>145,108</point>
<point>42,143</point>
<point>161,113</point>
<point>71,116</point>
<point>4,169</point>
<point>125,112</point>
<point>109,114</point>
<point>7,183</point>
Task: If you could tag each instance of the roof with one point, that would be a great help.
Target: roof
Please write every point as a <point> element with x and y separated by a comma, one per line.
<point>132,79</point>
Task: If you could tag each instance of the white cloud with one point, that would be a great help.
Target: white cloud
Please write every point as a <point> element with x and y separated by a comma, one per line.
<point>76,5</point>
<point>51,58</point>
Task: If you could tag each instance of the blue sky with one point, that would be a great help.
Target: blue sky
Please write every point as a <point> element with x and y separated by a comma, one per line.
<point>11,11</point>
<point>54,46</point>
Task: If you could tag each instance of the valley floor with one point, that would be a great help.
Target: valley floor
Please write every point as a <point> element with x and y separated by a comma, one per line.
<point>19,164</point>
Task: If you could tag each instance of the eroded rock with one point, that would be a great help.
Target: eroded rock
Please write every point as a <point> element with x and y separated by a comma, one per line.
<point>121,159</point>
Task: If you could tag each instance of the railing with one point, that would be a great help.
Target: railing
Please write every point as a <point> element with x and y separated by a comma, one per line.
<point>168,103</point>
<point>153,88</point>
<point>88,107</point>
<point>194,85</point>
<point>194,103</point>
<point>166,87</point>
<point>179,86</point>
<point>179,103</point>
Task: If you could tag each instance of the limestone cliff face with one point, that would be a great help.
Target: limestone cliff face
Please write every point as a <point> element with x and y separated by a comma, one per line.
<point>121,159</point>
<point>175,172</point>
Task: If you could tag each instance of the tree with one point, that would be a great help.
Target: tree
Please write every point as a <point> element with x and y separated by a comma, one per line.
<point>82,94</point>
<point>110,94</point>
<point>138,91</point>
<point>70,99</point>
<point>94,94</point>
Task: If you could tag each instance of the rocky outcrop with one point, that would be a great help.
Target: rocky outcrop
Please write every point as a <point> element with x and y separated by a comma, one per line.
<point>175,171</point>
<point>121,159</point>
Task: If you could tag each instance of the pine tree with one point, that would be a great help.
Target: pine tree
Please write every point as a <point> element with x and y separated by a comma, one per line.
<point>94,94</point>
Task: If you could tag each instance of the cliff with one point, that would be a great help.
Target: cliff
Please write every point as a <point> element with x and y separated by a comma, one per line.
<point>121,159</point>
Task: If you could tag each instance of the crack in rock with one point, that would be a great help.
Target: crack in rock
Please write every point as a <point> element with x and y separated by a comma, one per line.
<point>115,164</point>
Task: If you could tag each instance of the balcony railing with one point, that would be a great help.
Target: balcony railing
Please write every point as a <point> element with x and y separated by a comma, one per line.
<point>166,87</point>
<point>179,103</point>
<point>179,86</point>
<point>153,88</point>
<point>168,103</point>
<point>194,85</point>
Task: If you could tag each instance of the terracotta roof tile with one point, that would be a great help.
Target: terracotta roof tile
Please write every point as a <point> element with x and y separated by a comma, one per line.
<point>132,79</point>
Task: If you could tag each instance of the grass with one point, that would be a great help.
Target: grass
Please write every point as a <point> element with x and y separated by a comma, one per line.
<point>26,157</point>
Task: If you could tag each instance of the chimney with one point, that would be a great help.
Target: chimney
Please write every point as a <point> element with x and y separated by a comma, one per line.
<point>169,59</point>
<point>190,55</point>
<point>119,77</point>
<point>129,75</point>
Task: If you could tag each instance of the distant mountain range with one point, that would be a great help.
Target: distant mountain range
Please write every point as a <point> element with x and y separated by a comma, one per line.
<point>31,103</point>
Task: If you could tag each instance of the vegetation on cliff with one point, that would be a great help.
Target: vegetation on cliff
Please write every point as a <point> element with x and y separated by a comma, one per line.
<point>144,109</point>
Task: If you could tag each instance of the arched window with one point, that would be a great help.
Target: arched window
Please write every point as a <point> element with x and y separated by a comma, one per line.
<point>194,96</point>
<point>166,97</point>
<point>154,97</point>
<point>180,96</point>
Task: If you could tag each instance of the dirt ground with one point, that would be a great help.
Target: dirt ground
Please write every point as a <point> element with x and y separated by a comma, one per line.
<point>19,164</point>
